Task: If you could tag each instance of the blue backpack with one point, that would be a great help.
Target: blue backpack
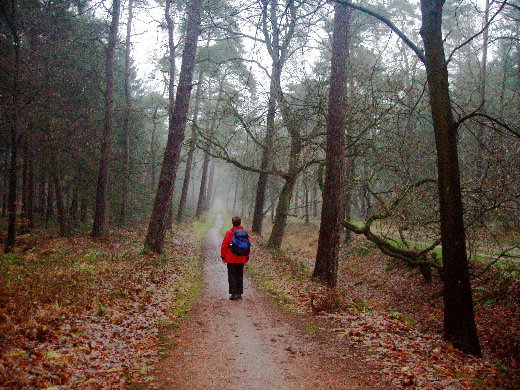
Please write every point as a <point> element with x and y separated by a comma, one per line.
<point>240,244</point>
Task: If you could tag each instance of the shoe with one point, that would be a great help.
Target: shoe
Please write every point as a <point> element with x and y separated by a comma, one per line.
<point>233,297</point>
<point>239,296</point>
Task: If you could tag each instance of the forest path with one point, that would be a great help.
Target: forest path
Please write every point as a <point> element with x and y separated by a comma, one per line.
<point>252,344</point>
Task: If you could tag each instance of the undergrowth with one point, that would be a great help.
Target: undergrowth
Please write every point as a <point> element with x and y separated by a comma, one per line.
<point>53,290</point>
<point>372,281</point>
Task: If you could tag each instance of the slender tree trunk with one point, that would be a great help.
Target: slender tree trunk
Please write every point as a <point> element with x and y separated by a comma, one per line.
<point>26,191</point>
<point>42,193</point>
<point>153,147</point>
<point>100,210</point>
<point>203,190</point>
<point>168,222</point>
<point>263,177</point>
<point>14,136</point>
<point>282,213</point>
<point>350,172</point>
<point>306,200</point>
<point>157,226</point>
<point>83,210</point>
<point>63,220</point>
<point>459,319</point>
<point>332,212</point>
<point>27,187</point>
<point>278,48</point>
<point>187,176</point>
<point>74,205</point>
<point>126,122</point>
<point>211,177</point>
<point>49,209</point>
<point>191,151</point>
<point>203,183</point>
<point>314,196</point>
<point>481,144</point>
<point>5,187</point>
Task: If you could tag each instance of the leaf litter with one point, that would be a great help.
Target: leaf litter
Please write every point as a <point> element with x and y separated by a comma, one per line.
<point>389,314</point>
<point>84,314</point>
<point>88,314</point>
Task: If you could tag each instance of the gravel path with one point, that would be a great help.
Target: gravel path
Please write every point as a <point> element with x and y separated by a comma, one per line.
<point>252,344</point>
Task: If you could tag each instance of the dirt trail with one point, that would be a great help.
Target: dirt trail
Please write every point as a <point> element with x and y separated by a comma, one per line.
<point>252,344</point>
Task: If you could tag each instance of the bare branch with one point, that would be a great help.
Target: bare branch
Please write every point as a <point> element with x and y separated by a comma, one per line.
<point>478,33</point>
<point>416,49</point>
<point>508,128</point>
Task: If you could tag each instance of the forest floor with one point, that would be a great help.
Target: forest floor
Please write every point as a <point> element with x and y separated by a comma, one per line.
<point>253,344</point>
<point>104,314</point>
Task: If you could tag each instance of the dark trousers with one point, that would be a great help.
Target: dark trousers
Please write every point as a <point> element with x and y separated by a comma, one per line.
<point>235,278</point>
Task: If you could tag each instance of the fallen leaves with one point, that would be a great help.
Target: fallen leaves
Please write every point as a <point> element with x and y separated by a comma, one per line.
<point>372,316</point>
<point>83,314</point>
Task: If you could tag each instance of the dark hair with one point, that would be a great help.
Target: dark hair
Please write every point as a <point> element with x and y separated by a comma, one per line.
<point>236,221</point>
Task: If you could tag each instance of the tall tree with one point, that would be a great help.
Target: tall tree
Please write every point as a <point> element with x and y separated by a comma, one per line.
<point>10,14</point>
<point>280,25</point>
<point>157,226</point>
<point>108,127</point>
<point>263,176</point>
<point>334,191</point>
<point>459,319</point>
<point>126,121</point>
<point>191,148</point>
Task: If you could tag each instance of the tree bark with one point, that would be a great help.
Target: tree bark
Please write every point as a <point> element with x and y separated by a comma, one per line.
<point>203,183</point>
<point>459,319</point>
<point>26,222</point>
<point>481,143</point>
<point>282,212</point>
<point>278,48</point>
<point>258,214</point>
<point>49,209</point>
<point>126,123</point>
<point>63,220</point>
<point>153,147</point>
<point>100,210</point>
<point>332,213</point>
<point>157,227</point>
<point>192,146</point>
<point>14,136</point>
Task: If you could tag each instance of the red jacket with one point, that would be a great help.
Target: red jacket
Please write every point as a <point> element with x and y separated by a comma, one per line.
<point>225,250</point>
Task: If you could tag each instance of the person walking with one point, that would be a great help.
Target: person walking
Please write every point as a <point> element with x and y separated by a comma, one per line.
<point>235,259</point>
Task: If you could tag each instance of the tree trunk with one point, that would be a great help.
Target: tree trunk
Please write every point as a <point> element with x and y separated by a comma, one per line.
<point>332,212</point>
<point>27,192</point>
<point>349,189</point>
<point>278,48</point>
<point>202,203</point>
<point>282,212</point>
<point>63,220</point>
<point>74,205</point>
<point>42,192</point>
<point>49,209</point>
<point>263,178</point>
<point>191,151</point>
<point>153,147</point>
<point>100,210</point>
<point>157,226</point>
<point>203,183</point>
<point>126,124</point>
<point>459,319</point>
<point>14,127</point>
<point>209,195</point>
<point>306,200</point>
